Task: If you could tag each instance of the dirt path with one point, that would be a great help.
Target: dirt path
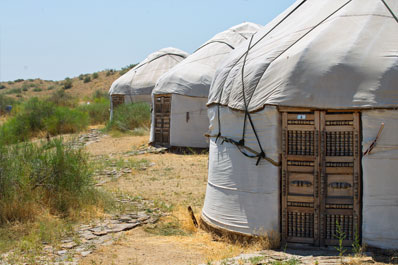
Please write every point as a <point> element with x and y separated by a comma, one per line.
<point>139,247</point>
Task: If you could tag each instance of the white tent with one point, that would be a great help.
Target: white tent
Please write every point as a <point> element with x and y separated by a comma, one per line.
<point>310,92</point>
<point>136,85</point>
<point>180,96</point>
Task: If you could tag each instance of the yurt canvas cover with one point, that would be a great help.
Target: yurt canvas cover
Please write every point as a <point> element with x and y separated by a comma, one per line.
<point>183,91</point>
<point>309,92</point>
<point>137,84</point>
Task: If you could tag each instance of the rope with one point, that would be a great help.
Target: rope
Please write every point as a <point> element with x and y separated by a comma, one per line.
<point>389,9</point>
<point>215,41</point>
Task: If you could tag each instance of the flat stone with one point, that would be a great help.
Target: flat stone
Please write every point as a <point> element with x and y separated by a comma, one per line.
<point>101,233</point>
<point>123,227</point>
<point>88,235</point>
<point>62,252</point>
<point>85,253</point>
<point>69,245</point>
<point>125,218</point>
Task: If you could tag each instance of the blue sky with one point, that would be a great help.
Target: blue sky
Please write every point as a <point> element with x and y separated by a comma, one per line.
<point>54,39</point>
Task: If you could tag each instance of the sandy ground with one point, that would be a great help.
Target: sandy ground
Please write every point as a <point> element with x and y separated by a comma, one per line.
<point>178,180</point>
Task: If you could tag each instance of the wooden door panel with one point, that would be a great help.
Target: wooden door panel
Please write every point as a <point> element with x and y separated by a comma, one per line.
<point>162,119</point>
<point>320,184</point>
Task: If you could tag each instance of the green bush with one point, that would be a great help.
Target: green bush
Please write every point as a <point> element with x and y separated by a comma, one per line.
<point>14,91</point>
<point>65,120</point>
<point>35,116</point>
<point>87,79</point>
<point>110,72</point>
<point>81,76</point>
<point>95,75</point>
<point>37,89</point>
<point>98,110</point>
<point>18,80</point>
<point>54,175</point>
<point>25,87</point>
<point>61,98</point>
<point>50,87</point>
<point>127,117</point>
<point>2,86</point>
<point>67,84</point>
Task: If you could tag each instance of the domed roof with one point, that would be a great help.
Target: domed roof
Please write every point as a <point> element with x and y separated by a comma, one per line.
<point>141,79</point>
<point>194,75</point>
<point>318,53</point>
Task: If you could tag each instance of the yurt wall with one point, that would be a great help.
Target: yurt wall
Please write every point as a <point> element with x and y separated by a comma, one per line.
<point>241,196</point>
<point>189,121</point>
<point>380,179</point>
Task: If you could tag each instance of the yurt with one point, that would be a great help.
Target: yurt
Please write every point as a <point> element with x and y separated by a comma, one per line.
<point>304,128</point>
<point>136,85</point>
<point>180,118</point>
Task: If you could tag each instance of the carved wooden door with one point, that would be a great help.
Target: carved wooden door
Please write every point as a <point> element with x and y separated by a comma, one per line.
<point>320,184</point>
<point>162,119</point>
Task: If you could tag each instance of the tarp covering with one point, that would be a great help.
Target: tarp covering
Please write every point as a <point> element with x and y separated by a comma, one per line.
<point>318,53</point>
<point>193,76</point>
<point>241,196</point>
<point>380,179</point>
<point>141,79</point>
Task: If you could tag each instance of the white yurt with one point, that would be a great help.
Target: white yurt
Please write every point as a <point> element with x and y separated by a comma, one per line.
<point>136,85</point>
<point>304,121</point>
<point>180,118</point>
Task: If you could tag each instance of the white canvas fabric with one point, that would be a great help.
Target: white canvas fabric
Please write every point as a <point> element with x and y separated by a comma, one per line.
<point>380,179</point>
<point>318,53</point>
<point>193,76</point>
<point>141,79</point>
<point>241,196</point>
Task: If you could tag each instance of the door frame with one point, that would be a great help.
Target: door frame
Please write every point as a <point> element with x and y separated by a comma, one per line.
<point>162,113</point>
<point>321,172</point>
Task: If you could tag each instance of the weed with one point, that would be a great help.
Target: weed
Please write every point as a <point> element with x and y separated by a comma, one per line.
<point>340,236</point>
<point>356,244</point>
<point>256,260</point>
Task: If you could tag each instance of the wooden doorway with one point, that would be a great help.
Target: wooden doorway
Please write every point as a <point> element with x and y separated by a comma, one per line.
<point>117,99</point>
<point>320,176</point>
<point>162,119</point>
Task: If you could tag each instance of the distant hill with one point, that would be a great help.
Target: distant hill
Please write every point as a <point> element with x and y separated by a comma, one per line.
<point>82,86</point>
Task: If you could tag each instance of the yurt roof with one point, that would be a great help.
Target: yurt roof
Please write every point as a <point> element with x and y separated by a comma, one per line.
<point>141,79</point>
<point>318,54</point>
<point>193,76</point>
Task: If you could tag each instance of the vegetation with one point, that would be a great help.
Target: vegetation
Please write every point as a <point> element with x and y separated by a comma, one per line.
<point>340,236</point>
<point>95,75</point>
<point>97,109</point>
<point>131,117</point>
<point>67,84</point>
<point>36,116</point>
<point>126,69</point>
<point>87,79</point>
<point>2,86</point>
<point>18,80</point>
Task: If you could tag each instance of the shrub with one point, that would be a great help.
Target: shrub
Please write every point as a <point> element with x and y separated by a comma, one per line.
<point>95,75</point>
<point>50,87</point>
<point>37,89</point>
<point>87,79</point>
<point>61,98</point>
<point>65,120</point>
<point>98,110</point>
<point>54,175</point>
<point>67,84</point>
<point>131,116</point>
<point>18,80</point>
<point>110,72</point>
<point>35,116</point>
<point>15,91</point>
<point>25,87</point>
<point>10,82</point>
<point>81,76</point>
<point>2,86</point>
<point>5,101</point>
<point>126,69</point>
